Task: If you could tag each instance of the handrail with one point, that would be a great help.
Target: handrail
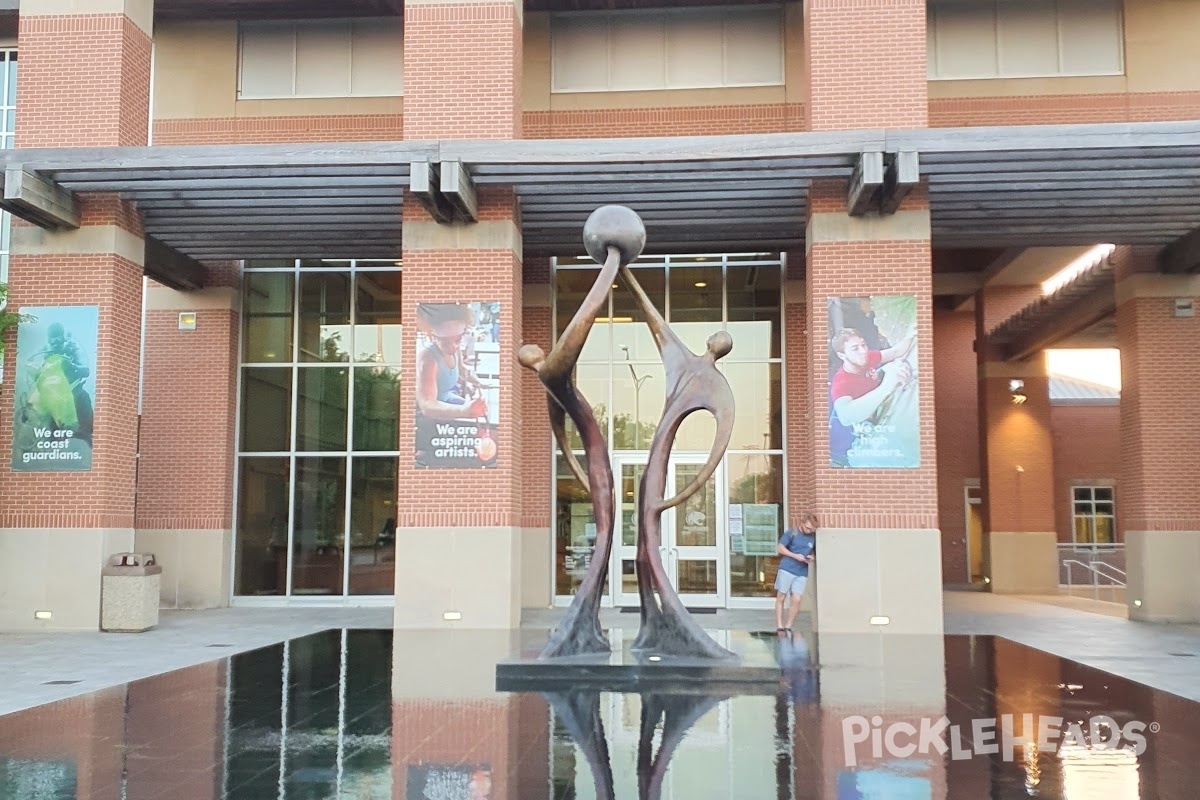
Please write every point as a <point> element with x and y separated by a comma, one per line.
<point>1096,573</point>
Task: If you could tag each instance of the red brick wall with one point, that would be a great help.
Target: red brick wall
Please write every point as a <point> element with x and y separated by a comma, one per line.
<point>1063,109</point>
<point>462,71</point>
<point>686,121</point>
<point>189,402</point>
<point>1158,438</point>
<point>491,497</point>
<point>536,438</point>
<point>957,412</point>
<point>798,436</point>
<point>267,130</point>
<point>468,733</point>
<point>878,81</point>
<point>870,498</point>
<point>85,81</point>
<point>1087,448</point>
<point>102,497</point>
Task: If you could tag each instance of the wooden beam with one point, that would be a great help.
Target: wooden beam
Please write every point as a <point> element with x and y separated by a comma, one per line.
<point>172,268</point>
<point>1077,315</point>
<point>38,200</point>
<point>1182,255</point>
<point>902,174</point>
<point>424,183</point>
<point>459,190</point>
<point>865,183</point>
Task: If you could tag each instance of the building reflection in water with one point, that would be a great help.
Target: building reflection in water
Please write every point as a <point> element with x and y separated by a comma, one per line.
<point>325,717</point>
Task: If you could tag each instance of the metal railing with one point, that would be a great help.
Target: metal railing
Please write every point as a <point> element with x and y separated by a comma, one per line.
<point>1100,566</point>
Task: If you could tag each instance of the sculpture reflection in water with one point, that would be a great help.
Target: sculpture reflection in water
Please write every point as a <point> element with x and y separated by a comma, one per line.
<point>614,236</point>
<point>674,714</point>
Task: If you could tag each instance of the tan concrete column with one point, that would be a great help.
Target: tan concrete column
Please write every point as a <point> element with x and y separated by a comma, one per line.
<point>1160,506</point>
<point>85,82</point>
<point>1016,453</point>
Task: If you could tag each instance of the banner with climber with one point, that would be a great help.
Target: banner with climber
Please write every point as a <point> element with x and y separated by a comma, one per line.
<point>874,408</point>
<point>55,389</point>
<point>457,385</point>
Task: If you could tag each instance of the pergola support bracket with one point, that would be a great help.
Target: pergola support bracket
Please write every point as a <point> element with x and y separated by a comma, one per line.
<point>172,268</point>
<point>445,190</point>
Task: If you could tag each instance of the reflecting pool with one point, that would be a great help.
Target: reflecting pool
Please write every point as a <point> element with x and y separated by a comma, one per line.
<point>372,715</point>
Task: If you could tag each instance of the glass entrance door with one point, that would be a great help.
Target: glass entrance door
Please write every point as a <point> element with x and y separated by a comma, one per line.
<point>693,534</point>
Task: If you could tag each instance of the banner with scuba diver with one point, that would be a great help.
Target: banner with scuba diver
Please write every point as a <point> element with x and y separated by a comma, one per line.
<point>457,385</point>
<point>55,389</point>
<point>874,408</point>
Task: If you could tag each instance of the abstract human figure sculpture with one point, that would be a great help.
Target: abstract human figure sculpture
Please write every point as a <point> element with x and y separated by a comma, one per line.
<point>693,384</point>
<point>623,236</point>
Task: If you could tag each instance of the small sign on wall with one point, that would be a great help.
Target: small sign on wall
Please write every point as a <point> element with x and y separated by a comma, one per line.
<point>187,320</point>
<point>1185,307</point>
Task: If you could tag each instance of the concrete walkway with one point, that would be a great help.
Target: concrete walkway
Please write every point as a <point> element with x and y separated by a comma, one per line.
<point>1163,657</point>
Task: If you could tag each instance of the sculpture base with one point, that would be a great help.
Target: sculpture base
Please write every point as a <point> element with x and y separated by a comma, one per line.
<point>757,668</point>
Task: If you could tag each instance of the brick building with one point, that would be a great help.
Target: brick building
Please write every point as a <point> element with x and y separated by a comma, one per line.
<point>275,209</point>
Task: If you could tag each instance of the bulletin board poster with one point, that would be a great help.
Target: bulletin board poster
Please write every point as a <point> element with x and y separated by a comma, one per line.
<point>457,413</point>
<point>760,529</point>
<point>55,389</point>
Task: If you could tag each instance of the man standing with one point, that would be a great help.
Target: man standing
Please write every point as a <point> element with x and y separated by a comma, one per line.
<point>860,386</point>
<point>796,553</point>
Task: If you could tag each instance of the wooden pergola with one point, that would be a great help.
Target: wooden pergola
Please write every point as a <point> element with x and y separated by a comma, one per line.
<point>988,187</point>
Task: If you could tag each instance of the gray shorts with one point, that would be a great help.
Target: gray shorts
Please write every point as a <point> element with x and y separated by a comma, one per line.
<point>787,583</point>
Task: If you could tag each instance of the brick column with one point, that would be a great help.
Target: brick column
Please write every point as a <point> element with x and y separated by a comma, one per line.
<point>879,545</point>
<point>186,460</point>
<point>535,441</point>
<point>85,82</point>
<point>1160,507</point>
<point>459,535</point>
<point>1016,453</point>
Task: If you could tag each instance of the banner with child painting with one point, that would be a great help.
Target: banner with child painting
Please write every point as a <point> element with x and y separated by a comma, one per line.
<point>457,385</point>
<point>874,405</point>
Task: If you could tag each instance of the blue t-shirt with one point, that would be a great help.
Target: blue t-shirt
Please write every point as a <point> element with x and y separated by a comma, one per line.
<point>800,543</point>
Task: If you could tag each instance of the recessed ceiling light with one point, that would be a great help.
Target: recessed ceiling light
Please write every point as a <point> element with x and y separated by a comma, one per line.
<point>701,284</point>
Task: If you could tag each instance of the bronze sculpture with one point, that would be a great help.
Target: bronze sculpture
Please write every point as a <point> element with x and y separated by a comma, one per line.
<point>614,236</point>
<point>580,633</point>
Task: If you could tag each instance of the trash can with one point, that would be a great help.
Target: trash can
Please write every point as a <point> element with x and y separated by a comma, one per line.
<point>129,587</point>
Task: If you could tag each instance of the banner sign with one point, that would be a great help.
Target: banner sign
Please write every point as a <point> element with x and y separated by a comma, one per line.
<point>439,782</point>
<point>874,407</point>
<point>457,385</point>
<point>55,386</point>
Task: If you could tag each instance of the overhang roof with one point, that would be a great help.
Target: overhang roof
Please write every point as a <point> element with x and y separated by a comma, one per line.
<point>989,187</point>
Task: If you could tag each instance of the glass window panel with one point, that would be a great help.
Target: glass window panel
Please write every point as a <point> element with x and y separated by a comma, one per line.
<point>321,409</point>
<point>1082,493</point>
<point>696,576</point>
<point>696,517</point>
<point>696,433</point>
<point>1090,32</point>
<point>268,55</point>
<point>696,311</point>
<point>571,286</point>
<point>1027,35</point>
<point>638,392</point>
<point>373,526</point>
<point>575,531</point>
<point>755,479</point>
<point>758,412</point>
<point>376,408</point>
<point>1083,508</point>
<point>12,83</point>
<point>262,529</point>
<point>629,330</point>
<point>377,317</point>
<point>753,300</point>
<point>1104,508</point>
<point>579,45</point>
<point>637,52</point>
<point>966,40</point>
<point>1104,493</point>
<point>629,487</point>
<point>323,59</point>
<point>753,46</point>
<point>325,316</point>
<point>377,59</point>
<point>267,310</point>
<point>695,49</point>
<point>1105,533</point>
<point>266,409</point>
<point>320,525</point>
<point>1083,529</point>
